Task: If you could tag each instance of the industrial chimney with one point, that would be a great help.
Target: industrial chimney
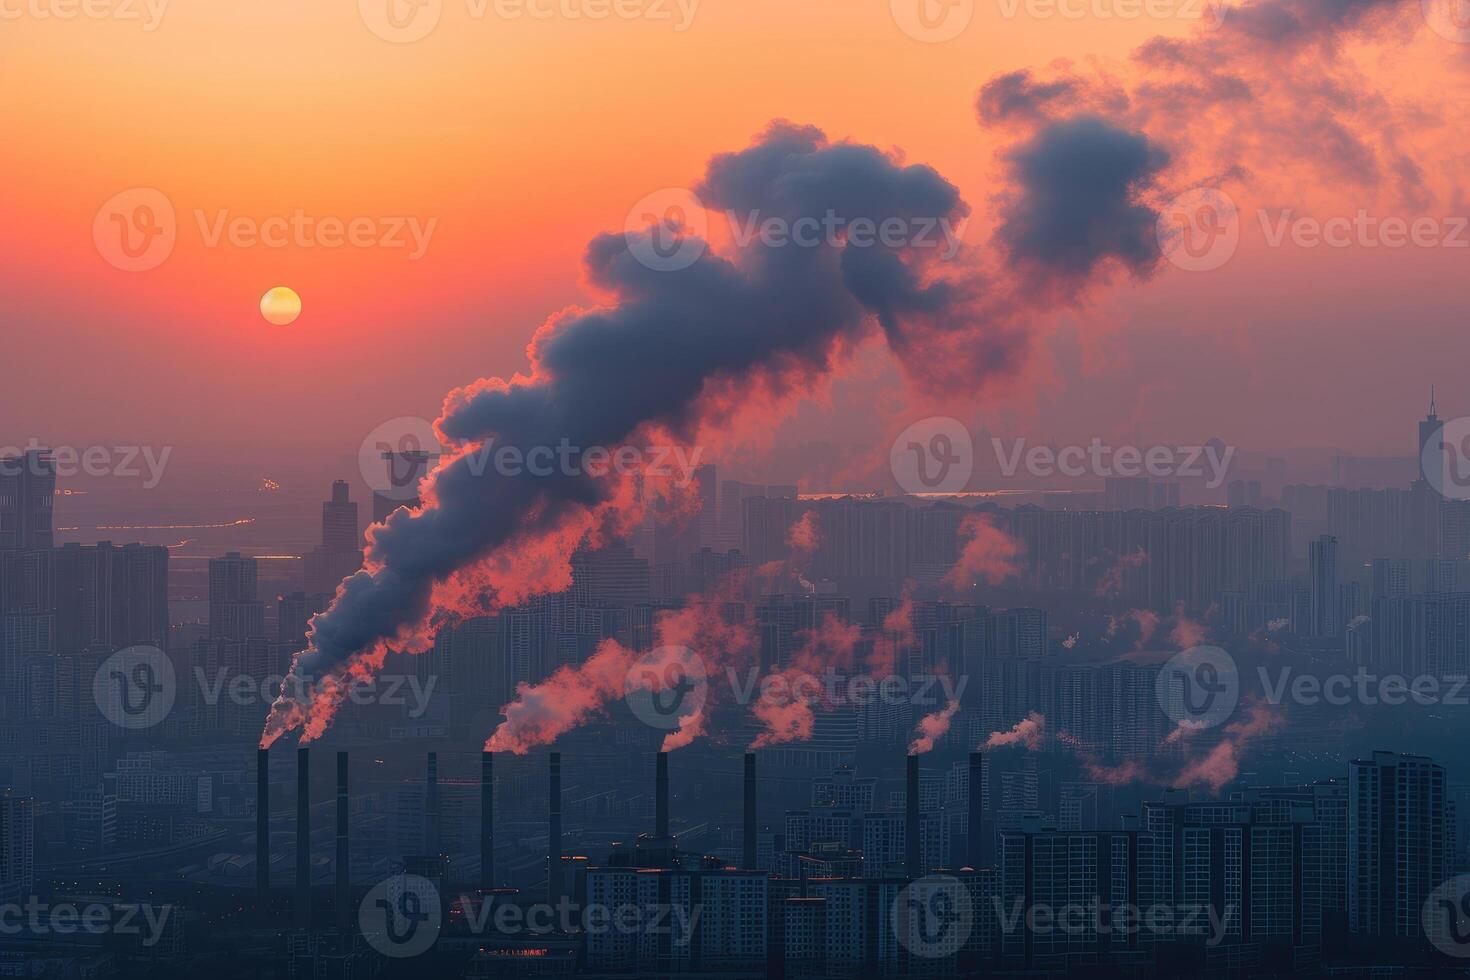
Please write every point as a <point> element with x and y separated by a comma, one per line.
<point>431,807</point>
<point>749,823</point>
<point>343,897</point>
<point>262,829</point>
<point>976,809</point>
<point>913,861</point>
<point>553,835</point>
<point>303,838</point>
<point>661,797</point>
<point>487,819</point>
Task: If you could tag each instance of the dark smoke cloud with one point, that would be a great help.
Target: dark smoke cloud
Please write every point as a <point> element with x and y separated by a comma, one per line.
<point>670,353</point>
<point>1077,204</point>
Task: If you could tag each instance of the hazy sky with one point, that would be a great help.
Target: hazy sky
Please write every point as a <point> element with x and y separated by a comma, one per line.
<point>520,138</point>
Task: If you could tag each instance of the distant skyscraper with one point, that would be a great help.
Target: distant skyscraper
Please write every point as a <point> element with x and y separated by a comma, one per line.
<point>1021,633</point>
<point>235,610</point>
<point>1126,493</point>
<point>27,489</point>
<point>1430,430</point>
<point>1326,609</point>
<point>339,520</point>
<point>109,595</point>
<point>340,553</point>
<point>294,612</point>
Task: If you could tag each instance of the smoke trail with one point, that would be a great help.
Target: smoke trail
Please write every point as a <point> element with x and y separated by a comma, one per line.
<point>988,554</point>
<point>672,355</point>
<point>1028,732</point>
<point>698,634</point>
<point>790,697</point>
<point>931,728</point>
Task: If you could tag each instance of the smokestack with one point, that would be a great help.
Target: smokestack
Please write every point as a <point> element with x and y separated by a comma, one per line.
<point>976,809</point>
<point>661,796</point>
<point>262,829</point>
<point>431,807</point>
<point>303,838</point>
<point>553,839</point>
<point>344,882</point>
<point>487,819</point>
<point>911,822</point>
<point>749,833</point>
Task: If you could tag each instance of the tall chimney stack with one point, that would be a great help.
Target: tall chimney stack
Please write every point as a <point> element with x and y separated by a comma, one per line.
<point>661,796</point>
<point>553,836</point>
<point>431,807</point>
<point>911,822</point>
<point>749,823</point>
<point>262,829</point>
<point>976,808</point>
<point>487,819</point>
<point>343,897</point>
<point>303,838</point>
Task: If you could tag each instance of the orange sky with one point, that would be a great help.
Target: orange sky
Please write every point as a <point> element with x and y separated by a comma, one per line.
<point>521,138</point>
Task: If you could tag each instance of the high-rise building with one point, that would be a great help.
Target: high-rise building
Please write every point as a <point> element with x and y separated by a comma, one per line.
<point>1126,493</point>
<point>1431,430</point>
<point>1397,842</point>
<point>27,491</point>
<point>235,609</point>
<point>1021,633</point>
<point>109,595</point>
<point>1043,870</point>
<point>293,615</point>
<point>1246,862</point>
<point>1326,611</point>
<point>339,520</point>
<point>340,553</point>
<point>17,847</point>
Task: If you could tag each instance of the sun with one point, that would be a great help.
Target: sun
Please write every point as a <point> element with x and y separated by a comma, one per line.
<point>280,306</point>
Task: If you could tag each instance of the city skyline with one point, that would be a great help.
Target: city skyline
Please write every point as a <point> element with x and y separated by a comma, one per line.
<point>706,489</point>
